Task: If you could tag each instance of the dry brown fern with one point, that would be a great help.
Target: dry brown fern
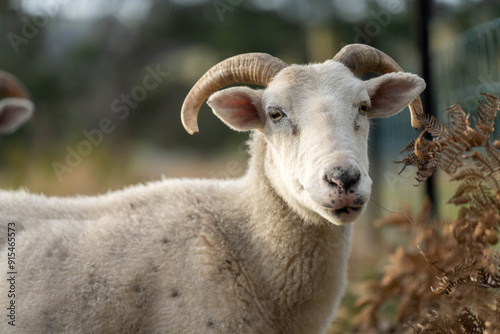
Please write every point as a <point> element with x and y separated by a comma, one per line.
<point>448,279</point>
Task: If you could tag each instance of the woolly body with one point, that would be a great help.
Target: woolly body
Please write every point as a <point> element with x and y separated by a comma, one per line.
<point>169,259</point>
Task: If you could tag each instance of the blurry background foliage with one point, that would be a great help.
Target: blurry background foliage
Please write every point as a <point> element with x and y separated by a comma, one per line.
<point>77,57</point>
<point>80,57</point>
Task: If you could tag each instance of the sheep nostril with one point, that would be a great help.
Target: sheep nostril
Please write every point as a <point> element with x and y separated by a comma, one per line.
<point>332,183</point>
<point>354,179</point>
<point>344,179</point>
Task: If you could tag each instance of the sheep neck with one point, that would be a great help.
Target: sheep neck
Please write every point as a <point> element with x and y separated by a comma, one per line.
<point>302,264</point>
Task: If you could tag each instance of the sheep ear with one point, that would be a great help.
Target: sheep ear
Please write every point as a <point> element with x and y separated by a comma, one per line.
<point>14,112</point>
<point>238,107</point>
<point>391,92</point>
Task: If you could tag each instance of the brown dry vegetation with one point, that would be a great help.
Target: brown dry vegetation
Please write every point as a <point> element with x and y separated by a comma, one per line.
<point>447,279</point>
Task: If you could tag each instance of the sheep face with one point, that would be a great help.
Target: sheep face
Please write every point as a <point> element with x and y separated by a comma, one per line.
<point>315,120</point>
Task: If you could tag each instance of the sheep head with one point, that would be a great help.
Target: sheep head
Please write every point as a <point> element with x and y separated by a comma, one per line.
<point>15,105</point>
<point>314,119</point>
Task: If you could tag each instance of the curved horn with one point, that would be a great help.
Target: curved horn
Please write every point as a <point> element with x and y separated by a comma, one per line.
<point>360,58</point>
<point>10,86</point>
<point>248,68</point>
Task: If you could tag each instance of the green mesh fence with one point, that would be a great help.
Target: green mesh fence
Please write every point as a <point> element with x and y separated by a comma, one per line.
<point>467,67</point>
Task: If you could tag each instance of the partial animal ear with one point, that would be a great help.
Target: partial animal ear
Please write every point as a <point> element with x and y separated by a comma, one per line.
<point>239,107</point>
<point>391,92</point>
<point>14,112</point>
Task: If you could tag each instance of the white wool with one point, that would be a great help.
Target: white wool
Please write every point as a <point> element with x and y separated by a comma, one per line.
<point>266,253</point>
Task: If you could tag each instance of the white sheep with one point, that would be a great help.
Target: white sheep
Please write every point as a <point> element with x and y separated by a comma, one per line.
<point>15,105</point>
<point>266,253</point>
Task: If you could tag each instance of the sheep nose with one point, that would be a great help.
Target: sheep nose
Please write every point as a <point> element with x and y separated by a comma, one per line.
<point>343,178</point>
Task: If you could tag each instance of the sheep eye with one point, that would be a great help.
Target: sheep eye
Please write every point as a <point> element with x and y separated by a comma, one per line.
<point>276,114</point>
<point>363,108</point>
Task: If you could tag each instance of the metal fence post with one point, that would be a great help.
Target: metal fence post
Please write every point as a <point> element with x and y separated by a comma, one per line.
<point>425,12</point>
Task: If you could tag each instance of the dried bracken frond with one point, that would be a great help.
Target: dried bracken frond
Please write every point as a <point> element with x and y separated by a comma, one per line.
<point>472,174</point>
<point>447,279</point>
<point>451,143</point>
<point>470,322</point>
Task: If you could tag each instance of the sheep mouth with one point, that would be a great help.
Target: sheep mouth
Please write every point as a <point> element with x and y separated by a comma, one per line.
<point>346,210</point>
